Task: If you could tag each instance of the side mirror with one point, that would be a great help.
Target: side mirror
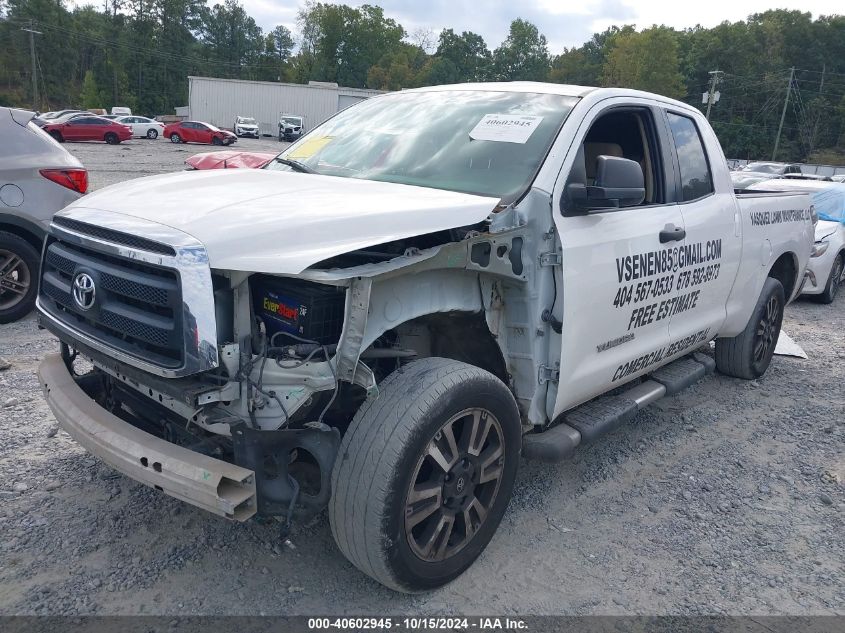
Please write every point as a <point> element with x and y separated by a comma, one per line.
<point>619,182</point>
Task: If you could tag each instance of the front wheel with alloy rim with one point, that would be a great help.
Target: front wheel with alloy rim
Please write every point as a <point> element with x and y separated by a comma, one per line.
<point>831,289</point>
<point>18,275</point>
<point>175,138</point>
<point>748,354</point>
<point>424,474</point>
<point>152,134</point>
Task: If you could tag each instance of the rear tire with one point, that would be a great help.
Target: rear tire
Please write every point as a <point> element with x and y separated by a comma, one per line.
<point>396,447</point>
<point>111,138</point>
<point>152,134</point>
<point>832,287</point>
<point>58,136</point>
<point>19,264</point>
<point>175,138</point>
<point>748,354</point>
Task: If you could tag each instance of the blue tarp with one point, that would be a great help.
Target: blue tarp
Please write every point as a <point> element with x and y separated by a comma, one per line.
<point>830,202</point>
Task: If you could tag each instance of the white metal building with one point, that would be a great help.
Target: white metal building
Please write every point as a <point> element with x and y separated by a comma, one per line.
<point>219,101</point>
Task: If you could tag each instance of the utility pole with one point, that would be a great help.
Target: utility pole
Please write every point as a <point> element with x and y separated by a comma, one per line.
<point>32,33</point>
<point>783,113</point>
<point>715,79</point>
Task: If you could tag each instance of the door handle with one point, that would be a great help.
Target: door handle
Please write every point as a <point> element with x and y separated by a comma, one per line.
<point>672,233</point>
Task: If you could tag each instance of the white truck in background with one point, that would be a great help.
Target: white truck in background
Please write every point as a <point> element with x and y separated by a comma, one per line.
<point>424,287</point>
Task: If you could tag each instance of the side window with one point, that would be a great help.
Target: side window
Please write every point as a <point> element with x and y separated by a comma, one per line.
<point>626,133</point>
<point>696,181</point>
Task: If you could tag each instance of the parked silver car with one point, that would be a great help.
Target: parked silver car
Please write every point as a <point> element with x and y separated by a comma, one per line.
<point>37,178</point>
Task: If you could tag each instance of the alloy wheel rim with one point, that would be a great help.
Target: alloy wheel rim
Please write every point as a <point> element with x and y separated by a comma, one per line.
<point>15,279</point>
<point>455,484</point>
<point>767,330</point>
<point>837,277</point>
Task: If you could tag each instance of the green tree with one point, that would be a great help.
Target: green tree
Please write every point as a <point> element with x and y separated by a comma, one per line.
<point>467,55</point>
<point>90,96</point>
<point>523,56</point>
<point>647,60</point>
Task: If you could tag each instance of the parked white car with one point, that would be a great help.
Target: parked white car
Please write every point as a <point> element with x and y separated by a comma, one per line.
<point>246,126</point>
<point>827,264</point>
<point>37,178</point>
<point>142,126</point>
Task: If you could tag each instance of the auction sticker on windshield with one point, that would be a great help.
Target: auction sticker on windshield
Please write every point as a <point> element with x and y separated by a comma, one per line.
<point>505,128</point>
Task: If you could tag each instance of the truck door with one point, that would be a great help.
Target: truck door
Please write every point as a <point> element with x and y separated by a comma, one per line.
<point>709,257</point>
<point>615,272</point>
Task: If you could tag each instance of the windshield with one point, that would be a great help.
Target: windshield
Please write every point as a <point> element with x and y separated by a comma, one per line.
<point>246,120</point>
<point>765,168</point>
<point>483,142</point>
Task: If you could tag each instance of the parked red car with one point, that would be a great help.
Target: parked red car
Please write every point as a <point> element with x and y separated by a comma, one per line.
<point>229,159</point>
<point>89,128</point>
<point>198,132</point>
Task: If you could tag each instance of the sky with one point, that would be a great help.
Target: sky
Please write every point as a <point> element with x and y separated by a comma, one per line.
<point>564,24</point>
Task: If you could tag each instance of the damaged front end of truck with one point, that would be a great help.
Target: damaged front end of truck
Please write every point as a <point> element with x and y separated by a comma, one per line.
<point>230,389</point>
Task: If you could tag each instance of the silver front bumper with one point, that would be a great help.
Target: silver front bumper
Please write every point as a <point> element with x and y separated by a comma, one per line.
<point>208,483</point>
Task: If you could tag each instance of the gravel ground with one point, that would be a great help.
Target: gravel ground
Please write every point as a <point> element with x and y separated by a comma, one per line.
<point>725,499</point>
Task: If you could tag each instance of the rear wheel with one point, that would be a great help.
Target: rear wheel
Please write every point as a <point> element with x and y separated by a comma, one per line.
<point>111,138</point>
<point>18,275</point>
<point>175,138</point>
<point>152,134</point>
<point>433,460</point>
<point>748,354</point>
<point>832,287</point>
<point>58,136</point>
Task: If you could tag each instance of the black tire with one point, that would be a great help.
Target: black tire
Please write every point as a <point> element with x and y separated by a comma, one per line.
<point>111,138</point>
<point>58,136</point>
<point>387,449</point>
<point>748,354</point>
<point>831,289</point>
<point>175,138</point>
<point>14,305</point>
<point>216,141</point>
<point>152,134</point>
<point>281,138</point>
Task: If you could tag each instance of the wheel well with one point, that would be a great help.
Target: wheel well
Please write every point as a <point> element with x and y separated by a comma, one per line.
<point>462,336</point>
<point>785,271</point>
<point>22,233</point>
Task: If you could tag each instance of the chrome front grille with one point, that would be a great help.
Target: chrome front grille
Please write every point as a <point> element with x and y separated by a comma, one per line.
<point>137,309</point>
<point>137,291</point>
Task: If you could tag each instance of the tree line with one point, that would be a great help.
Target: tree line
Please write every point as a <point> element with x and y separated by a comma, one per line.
<point>139,53</point>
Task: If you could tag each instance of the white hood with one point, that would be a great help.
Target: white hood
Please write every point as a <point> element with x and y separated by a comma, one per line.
<point>283,222</point>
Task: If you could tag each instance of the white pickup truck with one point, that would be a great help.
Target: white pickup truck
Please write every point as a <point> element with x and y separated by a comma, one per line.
<point>422,289</point>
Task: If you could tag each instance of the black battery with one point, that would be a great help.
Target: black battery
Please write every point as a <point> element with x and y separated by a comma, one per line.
<point>311,311</point>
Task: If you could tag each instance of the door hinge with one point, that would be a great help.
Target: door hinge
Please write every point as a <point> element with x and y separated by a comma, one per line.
<point>548,374</point>
<point>552,258</point>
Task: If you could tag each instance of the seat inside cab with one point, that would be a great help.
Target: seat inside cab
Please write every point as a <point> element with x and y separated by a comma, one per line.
<point>624,134</point>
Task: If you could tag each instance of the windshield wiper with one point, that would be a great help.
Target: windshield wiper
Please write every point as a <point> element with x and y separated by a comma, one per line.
<point>295,165</point>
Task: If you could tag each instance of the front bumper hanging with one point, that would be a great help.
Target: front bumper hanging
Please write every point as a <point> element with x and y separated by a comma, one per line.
<point>212,484</point>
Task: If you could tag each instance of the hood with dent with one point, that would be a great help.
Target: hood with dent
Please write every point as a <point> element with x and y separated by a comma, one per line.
<point>283,222</point>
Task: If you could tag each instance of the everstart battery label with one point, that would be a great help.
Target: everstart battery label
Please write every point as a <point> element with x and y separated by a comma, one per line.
<point>283,310</point>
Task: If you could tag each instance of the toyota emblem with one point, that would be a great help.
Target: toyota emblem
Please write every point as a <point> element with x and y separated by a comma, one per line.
<point>84,291</point>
